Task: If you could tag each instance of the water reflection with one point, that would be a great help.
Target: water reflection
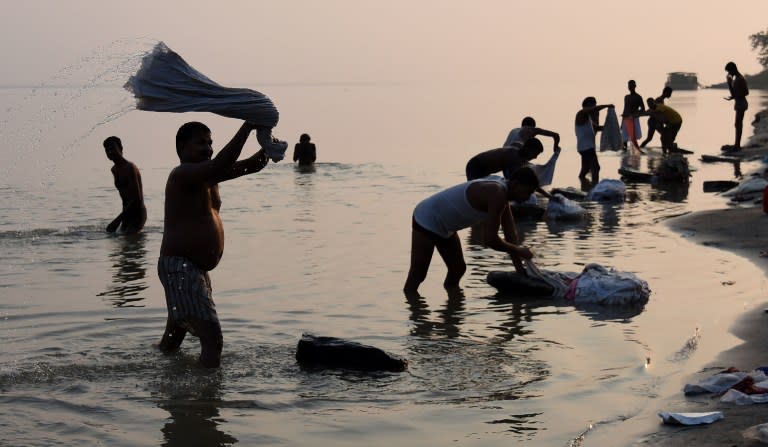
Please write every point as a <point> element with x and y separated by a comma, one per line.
<point>193,403</point>
<point>670,192</point>
<point>128,271</point>
<point>449,318</point>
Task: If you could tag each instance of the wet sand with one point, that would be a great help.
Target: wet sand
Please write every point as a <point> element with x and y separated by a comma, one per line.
<point>743,231</point>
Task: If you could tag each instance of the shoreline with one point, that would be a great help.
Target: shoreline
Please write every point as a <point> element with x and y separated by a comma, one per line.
<point>742,231</point>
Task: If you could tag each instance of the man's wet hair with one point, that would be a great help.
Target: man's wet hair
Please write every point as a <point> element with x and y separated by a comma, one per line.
<point>589,101</point>
<point>528,122</point>
<point>188,131</point>
<point>525,176</point>
<point>730,66</point>
<point>113,139</point>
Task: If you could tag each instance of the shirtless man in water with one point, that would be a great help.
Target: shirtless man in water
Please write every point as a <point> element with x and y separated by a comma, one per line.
<point>193,236</point>
<point>128,184</point>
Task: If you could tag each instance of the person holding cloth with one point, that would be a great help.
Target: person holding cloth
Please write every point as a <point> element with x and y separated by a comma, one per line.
<point>436,220</point>
<point>193,234</point>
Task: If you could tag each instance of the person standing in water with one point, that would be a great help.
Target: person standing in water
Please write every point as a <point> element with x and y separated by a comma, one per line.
<point>630,121</point>
<point>737,86</point>
<point>128,183</point>
<point>436,220</point>
<point>304,152</point>
<point>585,126</point>
<point>665,94</point>
<point>193,235</point>
<point>668,123</point>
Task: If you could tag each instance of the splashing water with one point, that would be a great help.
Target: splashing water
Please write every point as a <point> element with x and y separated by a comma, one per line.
<point>52,112</point>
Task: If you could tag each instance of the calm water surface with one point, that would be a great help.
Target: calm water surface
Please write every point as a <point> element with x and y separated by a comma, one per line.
<point>326,251</point>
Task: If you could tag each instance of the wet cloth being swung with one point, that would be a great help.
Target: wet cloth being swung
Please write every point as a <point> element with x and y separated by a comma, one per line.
<point>167,83</point>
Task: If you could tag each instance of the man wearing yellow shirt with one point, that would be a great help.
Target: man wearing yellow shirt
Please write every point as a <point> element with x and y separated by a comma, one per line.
<point>668,123</point>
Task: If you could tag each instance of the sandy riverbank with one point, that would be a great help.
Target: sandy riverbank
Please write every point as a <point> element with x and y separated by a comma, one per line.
<point>743,231</point>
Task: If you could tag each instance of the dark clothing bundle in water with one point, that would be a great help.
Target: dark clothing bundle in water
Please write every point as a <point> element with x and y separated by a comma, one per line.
<point>166,83</point>
<point>333,352</point>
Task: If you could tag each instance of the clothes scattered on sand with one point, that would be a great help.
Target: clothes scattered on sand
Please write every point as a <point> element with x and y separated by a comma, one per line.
<point>562,208</point>
<point>752,185</point>
<point>167,83</point>
<point>610,138</point>
<point>594,285</point>
<point>608,190</point>
<point>756,433</point>
<point>738,387</point>
<point>690,418</point>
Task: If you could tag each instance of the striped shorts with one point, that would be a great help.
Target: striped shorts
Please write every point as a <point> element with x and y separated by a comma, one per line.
<point>188,293</point>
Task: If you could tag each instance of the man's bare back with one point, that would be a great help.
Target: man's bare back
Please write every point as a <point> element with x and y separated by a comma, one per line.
<point>128,183</point>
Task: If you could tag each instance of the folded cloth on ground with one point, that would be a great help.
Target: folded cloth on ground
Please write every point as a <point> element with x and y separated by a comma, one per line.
<point>610,137</point>
<point>756,433</point>
<point>739,387</point>
<point>748,186</point>
<point>608,190</point>
<point>690,418</point>
<point>594,285</point>
<point>167,83</point>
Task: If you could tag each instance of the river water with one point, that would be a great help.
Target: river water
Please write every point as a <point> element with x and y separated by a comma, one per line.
<point>326,252</point>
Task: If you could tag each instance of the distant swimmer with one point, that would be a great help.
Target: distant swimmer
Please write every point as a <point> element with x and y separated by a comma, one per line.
<point>666,93</point>
<point>586,126</point>
<point>668,123</point>
<point>515,134</point>
<point>193,235</point>
<point>436,220</point>
<point>128,183</point>
<point>737,86</point>
<point>630,121</point>
<point>304,152</point>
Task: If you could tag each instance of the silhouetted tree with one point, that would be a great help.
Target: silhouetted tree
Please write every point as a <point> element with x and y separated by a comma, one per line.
<point>760,43</point>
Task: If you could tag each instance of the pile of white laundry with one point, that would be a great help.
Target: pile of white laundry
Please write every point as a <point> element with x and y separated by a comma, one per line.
<point>594,285</point>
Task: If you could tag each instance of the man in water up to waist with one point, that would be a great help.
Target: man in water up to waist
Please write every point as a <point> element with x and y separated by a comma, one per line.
<point>128,183</point>
<point>436,220</point>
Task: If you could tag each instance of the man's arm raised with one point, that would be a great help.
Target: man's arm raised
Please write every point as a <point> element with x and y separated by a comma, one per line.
<point>250,165</point>
<point>218,166</point>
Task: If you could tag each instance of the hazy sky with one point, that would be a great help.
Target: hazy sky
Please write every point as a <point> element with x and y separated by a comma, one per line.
<point>293,41</point>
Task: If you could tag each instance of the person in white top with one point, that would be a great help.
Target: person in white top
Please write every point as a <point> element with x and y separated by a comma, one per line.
<point>436,220</point>
<point>586,127</point>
